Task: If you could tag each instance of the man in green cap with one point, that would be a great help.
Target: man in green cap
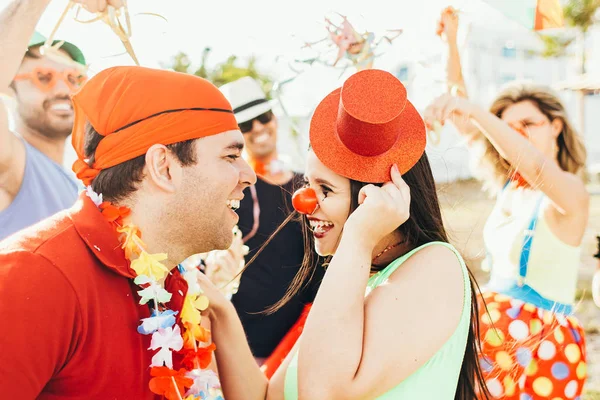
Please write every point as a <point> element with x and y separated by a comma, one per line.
<point>33,184</point>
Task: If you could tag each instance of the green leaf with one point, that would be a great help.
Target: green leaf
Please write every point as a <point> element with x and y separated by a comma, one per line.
<point>224,72</point>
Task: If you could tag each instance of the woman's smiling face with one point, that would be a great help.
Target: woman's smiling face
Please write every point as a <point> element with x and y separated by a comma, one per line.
<point>333,194</point>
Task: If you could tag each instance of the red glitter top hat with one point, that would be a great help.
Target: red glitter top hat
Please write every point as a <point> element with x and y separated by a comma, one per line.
<point>363,128</point>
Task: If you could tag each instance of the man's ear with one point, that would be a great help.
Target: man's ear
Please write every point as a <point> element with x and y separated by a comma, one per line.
<point>162,169</point>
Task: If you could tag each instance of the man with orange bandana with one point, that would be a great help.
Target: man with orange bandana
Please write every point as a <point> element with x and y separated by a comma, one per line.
<point>93,309</point>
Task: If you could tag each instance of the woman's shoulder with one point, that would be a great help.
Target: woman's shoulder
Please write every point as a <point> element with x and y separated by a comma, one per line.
<point>428,293</point>
<point>436,256</point>
<point>436,269</point>
<point>442,252</point>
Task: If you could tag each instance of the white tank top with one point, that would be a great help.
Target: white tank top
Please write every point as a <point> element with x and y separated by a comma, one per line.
<point>553,264</point>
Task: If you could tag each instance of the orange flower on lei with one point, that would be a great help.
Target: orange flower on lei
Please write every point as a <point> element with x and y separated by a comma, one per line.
<point>150,275</point>
<point>113,213</point>
<point>193,334</point>
<point>131,240</point>
<point>169,383</point>
<point>202,355</point>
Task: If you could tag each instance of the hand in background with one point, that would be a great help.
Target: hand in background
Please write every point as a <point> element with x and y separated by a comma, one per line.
<point>224,267</point>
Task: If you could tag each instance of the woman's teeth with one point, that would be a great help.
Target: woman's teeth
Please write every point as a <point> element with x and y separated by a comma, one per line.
<point>233,204</point>
<point>320,226</point>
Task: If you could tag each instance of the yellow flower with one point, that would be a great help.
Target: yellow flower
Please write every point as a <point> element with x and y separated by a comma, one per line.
<point>201,303</point>
<point>132,242</point>
<point>189,313</point>
<point>150,265</point>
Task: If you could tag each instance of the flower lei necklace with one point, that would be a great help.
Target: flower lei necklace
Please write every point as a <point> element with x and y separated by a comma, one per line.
<point>194,343</point>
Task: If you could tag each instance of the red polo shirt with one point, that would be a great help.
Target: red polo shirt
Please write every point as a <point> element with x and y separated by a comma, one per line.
<point>70,312</point>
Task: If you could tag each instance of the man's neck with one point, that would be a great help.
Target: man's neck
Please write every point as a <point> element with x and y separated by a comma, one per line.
<point>52,148</point>
<point>156,239</point>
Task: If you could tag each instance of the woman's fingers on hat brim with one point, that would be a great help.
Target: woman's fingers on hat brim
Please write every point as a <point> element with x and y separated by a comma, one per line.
<point>392,190</point>
<point>398,190</point>
<point>367,191</point>
<point>396,176</point>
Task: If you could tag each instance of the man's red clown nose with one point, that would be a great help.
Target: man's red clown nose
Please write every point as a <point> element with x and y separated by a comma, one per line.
<point>305,201</point>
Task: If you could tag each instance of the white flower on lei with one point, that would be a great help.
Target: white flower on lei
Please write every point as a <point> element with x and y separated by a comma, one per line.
<point>95,197</point>
<point>204,380</point>
<point>166,340</point>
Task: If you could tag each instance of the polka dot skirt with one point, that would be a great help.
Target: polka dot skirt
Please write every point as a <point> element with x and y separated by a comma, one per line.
<point>529,353</point>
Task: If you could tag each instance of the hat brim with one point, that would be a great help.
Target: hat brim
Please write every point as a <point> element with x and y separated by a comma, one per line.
<point>252,112</point>
<point>332,152</point>
<point>73,51</point>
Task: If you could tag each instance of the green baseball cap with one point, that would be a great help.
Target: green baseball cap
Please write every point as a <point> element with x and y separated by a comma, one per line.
<point>38,39</point>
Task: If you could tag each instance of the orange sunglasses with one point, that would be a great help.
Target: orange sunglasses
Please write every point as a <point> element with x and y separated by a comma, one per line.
<point>46,78</point>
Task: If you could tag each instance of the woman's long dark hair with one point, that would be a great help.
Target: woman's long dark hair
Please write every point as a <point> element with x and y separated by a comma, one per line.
<point>423,226</point>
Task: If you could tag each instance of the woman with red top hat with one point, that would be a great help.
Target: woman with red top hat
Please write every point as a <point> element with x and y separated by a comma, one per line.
<point>533,347</point>
<point>377,329</point>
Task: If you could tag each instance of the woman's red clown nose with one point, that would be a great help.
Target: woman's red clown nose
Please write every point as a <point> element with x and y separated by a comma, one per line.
<point>305,201</point>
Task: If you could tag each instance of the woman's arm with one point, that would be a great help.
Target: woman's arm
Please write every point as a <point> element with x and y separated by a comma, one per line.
<point>240,376</point>
<point>566,191</point>
<point>332,340</point>
<point>331,346</point>
<point>363,347</point>
<point>448,24</point>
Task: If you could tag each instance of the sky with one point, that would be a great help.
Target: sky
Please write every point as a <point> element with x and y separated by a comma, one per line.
<point>265,27</point>
<point>274,31</point>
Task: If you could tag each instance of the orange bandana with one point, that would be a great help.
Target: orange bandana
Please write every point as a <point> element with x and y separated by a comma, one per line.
<point>135,108</point>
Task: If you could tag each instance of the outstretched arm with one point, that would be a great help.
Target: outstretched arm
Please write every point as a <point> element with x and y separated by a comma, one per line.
<point>17,23</point>
<point>566,190</point>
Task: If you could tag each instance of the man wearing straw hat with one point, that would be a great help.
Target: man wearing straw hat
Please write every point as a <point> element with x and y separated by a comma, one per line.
<point>33,184</point>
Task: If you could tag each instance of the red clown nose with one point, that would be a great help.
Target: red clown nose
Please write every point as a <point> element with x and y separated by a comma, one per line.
<point>305,201</point>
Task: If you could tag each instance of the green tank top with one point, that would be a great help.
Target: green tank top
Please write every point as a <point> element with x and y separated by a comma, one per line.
<point>438,377</point>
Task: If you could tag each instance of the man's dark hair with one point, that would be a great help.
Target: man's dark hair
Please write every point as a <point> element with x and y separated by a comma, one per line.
<point>118,182</point>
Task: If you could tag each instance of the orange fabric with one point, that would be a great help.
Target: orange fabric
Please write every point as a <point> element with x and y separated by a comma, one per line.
<point>258,166</point>
<point>121,104</point>
<point>285,346</point>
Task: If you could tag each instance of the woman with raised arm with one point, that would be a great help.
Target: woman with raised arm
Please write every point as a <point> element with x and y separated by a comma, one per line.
<point>533,347</point>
